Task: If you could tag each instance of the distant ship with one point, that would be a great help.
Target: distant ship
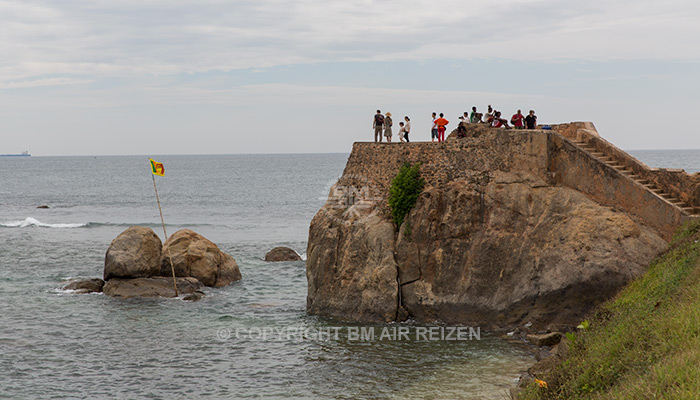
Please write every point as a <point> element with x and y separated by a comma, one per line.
<point>22,154</point>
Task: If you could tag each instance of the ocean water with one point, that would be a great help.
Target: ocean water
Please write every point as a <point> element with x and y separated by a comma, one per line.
<point>688,160</point>
<point>63,345</point>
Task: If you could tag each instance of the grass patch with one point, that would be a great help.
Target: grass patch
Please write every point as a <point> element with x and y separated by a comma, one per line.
<point>645,343</point>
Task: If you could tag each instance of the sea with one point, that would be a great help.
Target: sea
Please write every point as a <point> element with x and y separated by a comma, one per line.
<point>252,339</point>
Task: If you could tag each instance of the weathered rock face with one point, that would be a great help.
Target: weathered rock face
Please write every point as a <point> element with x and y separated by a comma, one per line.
<point>135,253</point>
<point>494,240</point>
<point>195,256</point>
<point>521,252</point>
<point>351,270</point>
<point>157,286</point>
<point>282,254</point>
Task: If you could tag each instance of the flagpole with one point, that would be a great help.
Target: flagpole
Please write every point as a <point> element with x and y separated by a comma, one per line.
<point>162,221</point>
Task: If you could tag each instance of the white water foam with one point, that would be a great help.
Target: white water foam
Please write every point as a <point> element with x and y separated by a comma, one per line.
<point>31,222</point>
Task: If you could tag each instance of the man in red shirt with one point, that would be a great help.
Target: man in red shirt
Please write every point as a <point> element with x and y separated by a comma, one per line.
<point>517,120</point>
<point>441,123</point>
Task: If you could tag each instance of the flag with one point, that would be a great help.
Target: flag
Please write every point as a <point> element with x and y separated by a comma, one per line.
<point>157,168</point>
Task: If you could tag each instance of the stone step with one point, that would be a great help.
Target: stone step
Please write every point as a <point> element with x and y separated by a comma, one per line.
<point>597,154</point>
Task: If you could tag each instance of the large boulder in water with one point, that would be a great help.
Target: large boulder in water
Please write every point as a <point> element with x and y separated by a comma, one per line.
<point>93,285</point>
<point>497,254</point>
<point>157,286</point>
<point>135,253</point>
<point>282,254</point>
<point>194,255</point>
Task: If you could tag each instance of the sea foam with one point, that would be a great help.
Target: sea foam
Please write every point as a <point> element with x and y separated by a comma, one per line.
<point>31,222</point>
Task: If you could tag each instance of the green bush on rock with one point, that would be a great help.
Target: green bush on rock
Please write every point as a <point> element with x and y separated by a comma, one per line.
<point>404,191</point>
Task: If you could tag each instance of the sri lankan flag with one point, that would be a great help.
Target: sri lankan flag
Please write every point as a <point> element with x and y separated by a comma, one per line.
<point>157,168</point>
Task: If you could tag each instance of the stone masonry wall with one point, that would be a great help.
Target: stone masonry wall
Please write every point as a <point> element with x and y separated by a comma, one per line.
<point>376,164</point>
<point>540,153</point>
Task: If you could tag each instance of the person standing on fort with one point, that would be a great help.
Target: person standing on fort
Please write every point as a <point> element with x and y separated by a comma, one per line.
<point>407,128</point>
<point>378,125</point>
<point>387,127</point>
<point>434,130</point>
<point>517,120</point>
<point>531,120</point>
<point>441,126</point>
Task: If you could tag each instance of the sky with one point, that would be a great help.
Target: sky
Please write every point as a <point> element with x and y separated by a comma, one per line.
<point>118,77</point>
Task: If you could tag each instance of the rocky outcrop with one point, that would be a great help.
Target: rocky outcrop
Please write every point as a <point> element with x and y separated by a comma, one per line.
<point>92,285</point>
<point>137,265</point>
<point>515,251</point>
<point>195,256</point>
<point>157,286</point>
<point>351,270</point>
<point>494,240</point>
<point>282,254</point>
<point>135,253</point>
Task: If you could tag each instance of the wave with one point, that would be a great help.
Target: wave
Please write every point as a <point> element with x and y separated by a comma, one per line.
<point>31,222</point>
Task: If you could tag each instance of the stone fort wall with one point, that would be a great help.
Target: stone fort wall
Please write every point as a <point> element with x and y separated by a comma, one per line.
<point>546,154</point>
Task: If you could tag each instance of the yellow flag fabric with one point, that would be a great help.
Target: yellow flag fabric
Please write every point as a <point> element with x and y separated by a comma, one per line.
<point>157,168</point>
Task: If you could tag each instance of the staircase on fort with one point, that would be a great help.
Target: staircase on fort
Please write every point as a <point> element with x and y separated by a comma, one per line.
<point>673,188</point>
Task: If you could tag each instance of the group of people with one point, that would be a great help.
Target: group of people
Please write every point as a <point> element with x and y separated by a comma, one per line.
<point>493,118</point>
<point>383,124</point>
<point>382,127</point>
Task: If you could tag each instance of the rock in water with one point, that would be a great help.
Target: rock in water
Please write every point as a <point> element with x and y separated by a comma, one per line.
<point>194,255</point>
<point>544,339</point>
<point>496,239</point>
<point>355,278</point>
<point>196,296</point>
<point>282,254</point>
<point>157,286</point>
<point>135,253</point>
<point>86,285</point>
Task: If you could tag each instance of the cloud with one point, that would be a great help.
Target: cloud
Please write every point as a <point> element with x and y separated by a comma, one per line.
<point>43,82</point>
<point>153,37</point>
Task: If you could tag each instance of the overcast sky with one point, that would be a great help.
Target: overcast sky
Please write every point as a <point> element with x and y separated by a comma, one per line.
<point>276,76</point>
